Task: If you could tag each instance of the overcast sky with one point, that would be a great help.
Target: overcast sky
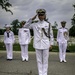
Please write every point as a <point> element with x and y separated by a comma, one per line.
<point>57,10</point>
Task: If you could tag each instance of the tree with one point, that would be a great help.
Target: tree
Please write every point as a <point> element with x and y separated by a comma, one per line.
<point>2,31</point>
<point>55,25</point>
<point>72,31</point>
<point>73,20</point>
<point>15,25</point>
<point>55,33</point>
<point>5,5</point>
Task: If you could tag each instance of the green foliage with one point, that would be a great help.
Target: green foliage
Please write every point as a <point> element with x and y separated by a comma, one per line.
<point>72,31</point>
<point>2,31</point>
<point>15,25</point>
<point>2,46</point>
<point>55,33</point>
<point>55,49</point>
<point>5,5</point>
<point>16,47</point>
<point>73,20</point>
<point>71,48</point>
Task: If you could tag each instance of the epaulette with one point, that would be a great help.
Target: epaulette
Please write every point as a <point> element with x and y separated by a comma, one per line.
<point>35,21</point>
<point>47,21</point>
<point>66,28</point>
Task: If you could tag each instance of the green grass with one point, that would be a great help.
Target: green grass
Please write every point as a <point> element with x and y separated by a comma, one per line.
<point>2,46</point>
<point>71,48</point>
<point>16,47</point>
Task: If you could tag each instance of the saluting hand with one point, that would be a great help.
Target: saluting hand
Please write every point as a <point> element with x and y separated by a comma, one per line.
<point>34,17</point>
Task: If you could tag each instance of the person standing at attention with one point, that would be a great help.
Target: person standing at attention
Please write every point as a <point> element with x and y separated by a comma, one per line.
<point>24,39</point>
<point>62,38</point>
<point>9,41</point>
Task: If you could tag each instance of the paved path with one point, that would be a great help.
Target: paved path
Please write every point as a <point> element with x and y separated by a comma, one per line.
<point>17,67</point>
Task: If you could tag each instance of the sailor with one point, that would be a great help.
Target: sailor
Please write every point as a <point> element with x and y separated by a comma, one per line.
<point>9,41</point>
<point>62,38</point>
<point>24,39</point>
<point>43,40</point>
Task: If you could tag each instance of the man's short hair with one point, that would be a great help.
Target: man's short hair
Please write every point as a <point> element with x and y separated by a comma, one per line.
<point>63,22</point>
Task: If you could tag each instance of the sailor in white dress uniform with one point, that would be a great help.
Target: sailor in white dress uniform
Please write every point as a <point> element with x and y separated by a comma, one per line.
<point>24,40</point>
<point>62,38</point>
<point>9,41</point>
<point>41,41</point>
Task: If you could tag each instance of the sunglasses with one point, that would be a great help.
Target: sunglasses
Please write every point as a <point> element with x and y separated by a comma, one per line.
<point>41,15</point>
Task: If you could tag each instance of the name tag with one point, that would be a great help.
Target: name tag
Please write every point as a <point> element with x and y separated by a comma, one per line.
<point>25,30</point>
<point>46,26</point>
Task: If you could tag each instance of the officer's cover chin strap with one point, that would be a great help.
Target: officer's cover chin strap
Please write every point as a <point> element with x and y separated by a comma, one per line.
<point>47,34</point>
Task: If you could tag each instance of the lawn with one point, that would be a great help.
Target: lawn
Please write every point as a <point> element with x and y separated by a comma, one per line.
<point>16,47</point>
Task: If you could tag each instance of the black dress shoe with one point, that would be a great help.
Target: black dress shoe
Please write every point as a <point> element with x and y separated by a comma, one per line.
<point>26,60</point>
<point>9,59</point>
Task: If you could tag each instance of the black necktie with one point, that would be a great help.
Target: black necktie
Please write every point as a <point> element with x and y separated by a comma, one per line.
<point>8,35</point>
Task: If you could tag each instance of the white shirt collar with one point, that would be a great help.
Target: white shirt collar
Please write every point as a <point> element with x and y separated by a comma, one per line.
<point>41,21</point>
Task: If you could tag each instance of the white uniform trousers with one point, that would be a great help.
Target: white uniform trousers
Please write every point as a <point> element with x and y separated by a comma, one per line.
<point>42,61</point>
<point>9,49</point>
<point>24,52</point>
<point>62,51</point>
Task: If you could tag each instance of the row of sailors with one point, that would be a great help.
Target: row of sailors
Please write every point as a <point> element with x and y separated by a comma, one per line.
<point>43,40</point>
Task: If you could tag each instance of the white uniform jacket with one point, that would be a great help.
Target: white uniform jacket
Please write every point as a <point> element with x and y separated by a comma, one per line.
<point>24,36</point>
<point>41,41</point>
<point>10,39</point>
<point>62,36</point>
